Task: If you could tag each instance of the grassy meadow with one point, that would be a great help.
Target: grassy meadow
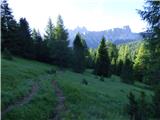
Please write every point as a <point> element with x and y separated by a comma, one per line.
<point>99,100</point>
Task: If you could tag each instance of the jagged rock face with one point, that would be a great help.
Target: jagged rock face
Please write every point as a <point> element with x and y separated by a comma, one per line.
<point>116,35</point>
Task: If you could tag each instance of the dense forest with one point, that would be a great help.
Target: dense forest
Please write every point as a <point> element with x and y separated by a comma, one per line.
<point>136,61</point>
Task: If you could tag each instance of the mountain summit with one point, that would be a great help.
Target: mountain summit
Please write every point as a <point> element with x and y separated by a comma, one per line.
<point>116,35</point>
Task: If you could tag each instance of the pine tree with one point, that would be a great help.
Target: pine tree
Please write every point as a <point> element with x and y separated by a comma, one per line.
<point>49,33</point>
<point>86,52</point>
<point>121,58</point>
<point>137,109</point>
<point>60,31</point>
<point>78,54</point>
<point>6,18</point>
<point>122,53</point>
<point>102,60</point>
<point>156,102</point>
<point>91,58</point>
<point>38,45</point>
<point>60,45</point>
<point>125,64</point>
<point>112,50</point>
<point>127,71</point>
<point>132,107</point>
<point>25,36</point>
<point>9,28</point>
<point>119,67</point>
<point>49,40</point>
<point>151,14</point>
<point>113,55</point>
<point>143,107</point>
<point>140,63</point>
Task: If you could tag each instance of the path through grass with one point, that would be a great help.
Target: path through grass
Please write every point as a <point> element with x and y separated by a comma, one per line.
<point>96,101</point>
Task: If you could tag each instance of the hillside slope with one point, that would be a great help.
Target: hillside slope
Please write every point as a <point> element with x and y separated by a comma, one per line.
<point>95,101</point>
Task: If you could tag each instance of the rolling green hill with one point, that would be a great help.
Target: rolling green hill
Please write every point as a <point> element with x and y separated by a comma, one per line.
<point>96,101</point>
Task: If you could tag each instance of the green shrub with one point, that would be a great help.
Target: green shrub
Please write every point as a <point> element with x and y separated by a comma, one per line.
<point>7,55</point>
<point>84,81</point>
<point>51,71</point>
<point>101,79</point>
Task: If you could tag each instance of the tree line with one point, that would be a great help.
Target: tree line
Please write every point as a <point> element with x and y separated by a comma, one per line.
<point>129,61</point>
<point>20,40</point>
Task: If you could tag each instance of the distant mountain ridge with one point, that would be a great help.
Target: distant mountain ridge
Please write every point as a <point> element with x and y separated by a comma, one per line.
<point>116,35</point>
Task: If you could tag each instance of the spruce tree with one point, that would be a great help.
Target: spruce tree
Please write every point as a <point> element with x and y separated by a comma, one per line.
<point>39,51</point>
<point>9,28</point>
<point>78,54</point>
<point>156,102</point>
<point>121,58</point>
<point>60,31</point>
<point>140,63</point>
<point>6,18</point>
<point>113,55</point>
<point>91,58</point>
<point>143,107</point>
<point>60,46</point>
<point>25,36</point>
<point>122,53</point>
<point>49,40</point>
<point>49,33</point>
<point>127,71</point>
<point>119,67</point>
<point>132,107</point>
<point>102,60</point>
<point>151,14</point>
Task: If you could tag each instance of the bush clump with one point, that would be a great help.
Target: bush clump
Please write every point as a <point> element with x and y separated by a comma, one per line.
<point>84,81</point>
<point>7,55</point>
<point>101,79</point>
<point>51,71</point>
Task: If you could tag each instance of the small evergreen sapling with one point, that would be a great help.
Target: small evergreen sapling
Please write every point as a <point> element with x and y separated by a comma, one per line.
<point>132,106</point>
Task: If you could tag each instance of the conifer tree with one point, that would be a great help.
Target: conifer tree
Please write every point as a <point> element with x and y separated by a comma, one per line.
<point>127,71</point>
<point>49,33</point>
<point>6,18</point>
<point>132,107</point>
<point>140,63</point>
<point>151,14</point>
<point>143,107</point>
<point>156,102</point>
<point>9,28</point>
<point>49,40</point>
<point>113,55</point>
<point>121,58</point>
<point>60,46</point>
<point>102,60</point>
<point>91,58</point>
<point>119,67</point>
<point>25,36</point>
<point>78,54</point>
<point>60,31</point>
<point>37,39</point>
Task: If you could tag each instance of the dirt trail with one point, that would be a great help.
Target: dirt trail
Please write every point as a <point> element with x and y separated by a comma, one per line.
<point>22,101</point>
<point>60,108</point>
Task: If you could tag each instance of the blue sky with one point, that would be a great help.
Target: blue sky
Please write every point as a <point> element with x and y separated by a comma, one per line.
<point>95,15</point>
